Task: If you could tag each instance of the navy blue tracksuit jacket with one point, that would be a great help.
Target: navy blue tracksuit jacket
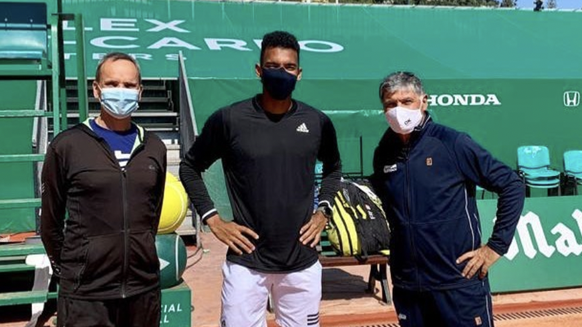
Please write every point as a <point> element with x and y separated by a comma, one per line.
<point>428,191</point>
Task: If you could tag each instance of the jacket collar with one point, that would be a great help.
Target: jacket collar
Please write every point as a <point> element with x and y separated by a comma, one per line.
<point>140,139</point>
<point>427,118</point>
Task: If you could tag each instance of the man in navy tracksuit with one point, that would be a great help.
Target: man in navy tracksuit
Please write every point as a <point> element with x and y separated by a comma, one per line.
<point>426,175</point>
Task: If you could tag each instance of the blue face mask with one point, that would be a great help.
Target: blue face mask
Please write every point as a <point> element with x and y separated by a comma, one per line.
<point>278,82</point>
<point>119,102</point>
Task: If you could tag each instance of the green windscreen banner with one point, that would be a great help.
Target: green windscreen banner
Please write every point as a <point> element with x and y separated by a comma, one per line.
<point>546,251</point>
<point>501,114</point>
<point>506,77</point>
<point>222,39</point>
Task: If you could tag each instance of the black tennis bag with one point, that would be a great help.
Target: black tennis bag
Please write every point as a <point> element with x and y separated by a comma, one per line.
<point>358,226</point>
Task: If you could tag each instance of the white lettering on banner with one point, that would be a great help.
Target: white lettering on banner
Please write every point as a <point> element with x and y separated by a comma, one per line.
<point>100,42</point>
<point>566,243</point>
<point>445,100</point>
<point>114,42</point>
<point>167,309</point>
<point>66,27</point>
<point>173,57</point>
<point>144,56</point>
<point>119,24</point>
<point>331,47</point>
<point>303,45</point>
<point>577,215</point>
<point>135,25</point>
<point>534,222</point>
<point>218,44</point>
<point>162,26</point>
<point>173,42</point>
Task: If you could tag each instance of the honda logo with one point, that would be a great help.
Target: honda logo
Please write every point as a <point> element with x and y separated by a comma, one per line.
<point>571,98</point>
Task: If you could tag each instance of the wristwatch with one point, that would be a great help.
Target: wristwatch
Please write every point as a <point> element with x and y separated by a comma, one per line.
<point>326,211</point>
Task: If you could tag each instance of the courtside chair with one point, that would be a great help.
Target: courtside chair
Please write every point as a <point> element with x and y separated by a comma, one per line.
<point>533,164</point>
<point>573,167</point>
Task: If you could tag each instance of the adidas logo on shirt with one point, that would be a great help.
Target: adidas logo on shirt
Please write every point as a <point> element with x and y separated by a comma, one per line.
<point>302,128</point>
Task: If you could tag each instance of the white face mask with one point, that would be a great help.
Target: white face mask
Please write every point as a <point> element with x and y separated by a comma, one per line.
<point>403,120</point>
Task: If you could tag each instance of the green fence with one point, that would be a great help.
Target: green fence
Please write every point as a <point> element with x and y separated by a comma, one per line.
<point>17,179</point>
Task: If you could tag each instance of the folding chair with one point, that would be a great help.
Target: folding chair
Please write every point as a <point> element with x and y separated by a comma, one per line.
<point>573,167</point>
<point>533,164</point>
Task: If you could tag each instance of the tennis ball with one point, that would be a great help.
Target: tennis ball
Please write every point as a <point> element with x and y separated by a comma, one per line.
<point>174,207</point>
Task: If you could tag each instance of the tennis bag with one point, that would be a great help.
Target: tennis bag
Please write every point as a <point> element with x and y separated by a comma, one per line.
<point>358,226</point>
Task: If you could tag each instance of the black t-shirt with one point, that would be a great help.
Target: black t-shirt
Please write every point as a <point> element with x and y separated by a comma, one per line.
<point>269,167</point>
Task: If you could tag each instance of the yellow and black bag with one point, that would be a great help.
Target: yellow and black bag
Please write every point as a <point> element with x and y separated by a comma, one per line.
<point>358,226</point>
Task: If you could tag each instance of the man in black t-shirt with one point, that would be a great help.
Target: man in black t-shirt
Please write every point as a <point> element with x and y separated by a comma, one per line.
<point>269,146</point>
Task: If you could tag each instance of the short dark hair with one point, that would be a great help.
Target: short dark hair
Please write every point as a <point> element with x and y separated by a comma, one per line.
<point>279,39</point>
<point>114,56</point>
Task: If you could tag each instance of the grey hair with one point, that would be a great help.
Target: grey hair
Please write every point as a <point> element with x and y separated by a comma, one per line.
<point>401,81</point>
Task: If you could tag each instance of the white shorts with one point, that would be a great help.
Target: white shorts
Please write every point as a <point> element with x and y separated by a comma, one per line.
<point>296,297</point>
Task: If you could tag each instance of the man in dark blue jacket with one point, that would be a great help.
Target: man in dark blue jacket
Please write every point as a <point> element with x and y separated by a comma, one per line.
<point>426,175</point>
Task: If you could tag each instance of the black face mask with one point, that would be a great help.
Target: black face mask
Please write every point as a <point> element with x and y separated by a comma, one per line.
<point>278,82</point>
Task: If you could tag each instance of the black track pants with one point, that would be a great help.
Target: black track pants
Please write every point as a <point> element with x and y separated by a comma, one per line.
<point>143,310</point>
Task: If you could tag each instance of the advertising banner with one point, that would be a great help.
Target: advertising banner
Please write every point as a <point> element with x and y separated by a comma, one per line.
<point>222,39</point>
<point>547,248</point>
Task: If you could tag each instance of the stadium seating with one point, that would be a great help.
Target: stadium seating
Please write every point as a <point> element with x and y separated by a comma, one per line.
<point>23,34</point>
<point>24,40</point>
